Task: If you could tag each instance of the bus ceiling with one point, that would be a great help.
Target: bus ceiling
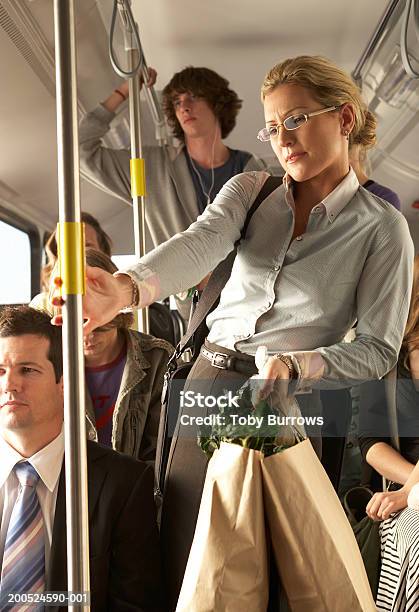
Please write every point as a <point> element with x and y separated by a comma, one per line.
<point>240,43</point>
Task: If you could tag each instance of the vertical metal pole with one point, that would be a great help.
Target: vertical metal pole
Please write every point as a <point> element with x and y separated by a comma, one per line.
<point>72,254</point>
<point>138,201</point>
<point>134,53</point>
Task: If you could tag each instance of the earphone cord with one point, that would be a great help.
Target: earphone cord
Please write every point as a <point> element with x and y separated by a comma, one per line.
<point>207,195</point>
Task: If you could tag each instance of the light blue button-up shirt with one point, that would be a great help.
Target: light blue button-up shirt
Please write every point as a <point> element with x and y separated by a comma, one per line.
<point>353,264</point>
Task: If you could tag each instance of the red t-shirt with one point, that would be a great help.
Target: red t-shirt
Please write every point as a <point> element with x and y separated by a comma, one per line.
<point>103,383</point>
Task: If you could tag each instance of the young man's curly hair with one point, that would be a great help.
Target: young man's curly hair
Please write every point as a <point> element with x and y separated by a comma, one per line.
<point>207,84</point>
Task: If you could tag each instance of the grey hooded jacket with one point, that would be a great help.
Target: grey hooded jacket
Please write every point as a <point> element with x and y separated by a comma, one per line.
<point>171,204</point>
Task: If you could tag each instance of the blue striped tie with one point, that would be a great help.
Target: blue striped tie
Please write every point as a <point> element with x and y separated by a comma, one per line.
<point>23,568</point>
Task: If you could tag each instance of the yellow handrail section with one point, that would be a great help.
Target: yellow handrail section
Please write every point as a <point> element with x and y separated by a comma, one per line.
<point>137,170</point>
<point>71,258</point>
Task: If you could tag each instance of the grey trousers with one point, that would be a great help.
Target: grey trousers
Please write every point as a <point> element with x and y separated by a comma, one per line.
<point>186,470</point>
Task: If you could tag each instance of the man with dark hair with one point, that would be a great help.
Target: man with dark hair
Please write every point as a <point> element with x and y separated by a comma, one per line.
<point>181,180</point>
<point>124,553</point>
<point>24,321</point>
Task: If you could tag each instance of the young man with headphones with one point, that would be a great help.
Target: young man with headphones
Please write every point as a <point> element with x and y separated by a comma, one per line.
<point>181,178</point>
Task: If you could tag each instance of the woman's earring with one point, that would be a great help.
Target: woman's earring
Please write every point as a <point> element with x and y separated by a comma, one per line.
<point>346,134</point>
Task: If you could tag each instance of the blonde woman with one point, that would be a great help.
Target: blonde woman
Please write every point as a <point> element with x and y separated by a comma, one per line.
<point>320,253</point>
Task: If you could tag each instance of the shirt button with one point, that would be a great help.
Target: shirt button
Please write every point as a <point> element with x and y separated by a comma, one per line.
<point>299,238</point>
<point>276,268</point>
<point>92,435</point>
<point>316,209</point>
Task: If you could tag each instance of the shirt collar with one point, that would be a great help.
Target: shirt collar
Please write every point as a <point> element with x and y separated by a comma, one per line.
<point>287,181</point>
<point>9,458</point>
<point>335,201</point>
<point>47,461</point>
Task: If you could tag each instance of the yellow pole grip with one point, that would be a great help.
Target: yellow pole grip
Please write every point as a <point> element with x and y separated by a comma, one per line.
<point>137,168</point>
<point>71,257</point>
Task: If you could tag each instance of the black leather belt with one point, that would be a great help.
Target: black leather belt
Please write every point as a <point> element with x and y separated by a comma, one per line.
<point>229,362</point>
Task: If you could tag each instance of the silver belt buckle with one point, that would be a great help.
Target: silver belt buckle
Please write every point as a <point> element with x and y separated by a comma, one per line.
<point>216,365</point>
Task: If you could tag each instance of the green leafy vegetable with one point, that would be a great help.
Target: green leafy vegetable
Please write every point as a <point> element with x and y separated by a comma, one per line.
<point>236,426</point>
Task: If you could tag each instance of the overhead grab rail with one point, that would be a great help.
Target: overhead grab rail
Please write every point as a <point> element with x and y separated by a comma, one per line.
<point>129,26</point>
<point>136,64</point>
<point>407,64</point>
<point>132,37</point>
<point>381,30</point>
<point>375,39</point>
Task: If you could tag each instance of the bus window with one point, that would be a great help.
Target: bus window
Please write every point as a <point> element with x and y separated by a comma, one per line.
<point>15,253</point>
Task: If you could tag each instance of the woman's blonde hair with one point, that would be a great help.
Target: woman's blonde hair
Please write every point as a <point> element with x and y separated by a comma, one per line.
<point>411,334</point>
<point>330,86</point>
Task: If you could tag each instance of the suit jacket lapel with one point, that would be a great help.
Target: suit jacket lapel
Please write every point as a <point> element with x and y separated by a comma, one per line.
<point>96,476</point>
<point>57,571</point>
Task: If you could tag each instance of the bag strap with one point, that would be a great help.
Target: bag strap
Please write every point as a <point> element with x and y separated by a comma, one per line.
<point>390,386</point>
<point>222,272</point>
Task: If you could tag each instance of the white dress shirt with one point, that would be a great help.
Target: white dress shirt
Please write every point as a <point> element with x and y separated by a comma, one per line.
<point>47,462</point>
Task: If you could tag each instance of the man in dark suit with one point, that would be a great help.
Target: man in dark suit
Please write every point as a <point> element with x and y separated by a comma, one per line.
<point>124,550</point>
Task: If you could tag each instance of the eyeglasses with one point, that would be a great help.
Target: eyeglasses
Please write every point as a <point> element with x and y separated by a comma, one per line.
<point>290,123</point>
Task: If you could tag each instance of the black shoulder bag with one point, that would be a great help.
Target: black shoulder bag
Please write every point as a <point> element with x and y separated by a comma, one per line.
<point>195,335</point>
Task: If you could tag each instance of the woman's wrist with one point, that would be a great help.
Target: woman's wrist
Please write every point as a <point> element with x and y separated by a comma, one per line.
<point>287,361</point>
<point>409,484</point>
<point>128,293</point>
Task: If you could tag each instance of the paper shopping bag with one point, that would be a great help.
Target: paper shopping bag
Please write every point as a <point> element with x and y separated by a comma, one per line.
<point>317,556</point>
<point>227,565</point>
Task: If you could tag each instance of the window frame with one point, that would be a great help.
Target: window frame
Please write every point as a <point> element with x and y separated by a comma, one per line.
<point>29,228</point>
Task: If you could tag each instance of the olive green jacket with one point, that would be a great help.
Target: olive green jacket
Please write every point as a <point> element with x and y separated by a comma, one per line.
<point>137,410</point>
